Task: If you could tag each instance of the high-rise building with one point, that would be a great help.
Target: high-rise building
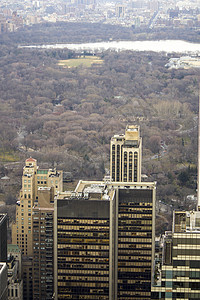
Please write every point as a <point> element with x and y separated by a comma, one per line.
<point>120,10</point>
<point>104,241</point>
<point>3,237</point>
<point>32,179</point>
<point>43,244</point>
<point>33,216</point>
<point>27,276</point>
<point>180,271</point>
<point>126,155</point>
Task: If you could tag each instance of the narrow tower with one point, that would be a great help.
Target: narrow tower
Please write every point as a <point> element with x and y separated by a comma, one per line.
<point>125,155</point>
<point>198,161</point>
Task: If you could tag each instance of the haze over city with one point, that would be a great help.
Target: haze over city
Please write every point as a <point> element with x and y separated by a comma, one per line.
<point>138,14</point>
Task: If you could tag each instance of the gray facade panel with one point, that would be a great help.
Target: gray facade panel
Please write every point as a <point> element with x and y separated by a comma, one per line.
<point>82,208</point>
<point>130,195</point>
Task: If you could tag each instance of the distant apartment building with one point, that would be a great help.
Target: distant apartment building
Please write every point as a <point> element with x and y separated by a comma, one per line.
<point>104,241</point>
<point>120,10</point>
<point>126,155</point>
<point>3,23</point>
<point>180,271</point>
<point>3,237</point>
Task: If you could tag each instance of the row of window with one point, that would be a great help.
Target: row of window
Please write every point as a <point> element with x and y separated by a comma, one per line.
<point>12,292</point>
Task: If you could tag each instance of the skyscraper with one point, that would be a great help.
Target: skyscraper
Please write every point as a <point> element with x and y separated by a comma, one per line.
<point>32,179</point>
<point>180,271</point>
<point>126,155</point>
<point>104,241</point>
<point>179,274</point>
<point>3,237</point>
<point>120,10</point>
<point>33,229</point>
<point>43,244</point>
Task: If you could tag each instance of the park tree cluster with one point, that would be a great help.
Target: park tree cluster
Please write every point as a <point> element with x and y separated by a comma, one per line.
<point>65,117</point>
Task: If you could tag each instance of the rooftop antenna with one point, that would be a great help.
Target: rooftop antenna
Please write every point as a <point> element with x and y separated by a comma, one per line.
<point>198,160</point>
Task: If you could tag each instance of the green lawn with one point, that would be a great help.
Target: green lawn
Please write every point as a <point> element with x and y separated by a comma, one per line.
<point>86,61</point>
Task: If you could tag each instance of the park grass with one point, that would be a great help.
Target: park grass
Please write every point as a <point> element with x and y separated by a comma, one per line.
<point>8,156</point>
<point>86,61</point>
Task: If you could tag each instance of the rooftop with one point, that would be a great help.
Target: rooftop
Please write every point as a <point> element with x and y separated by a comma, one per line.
<point>13,248</point>
<point>2,265</point>
<point>106,188</point>
<point>44,188</point>
<point>2,217</point>
<point>186,221</point>
<point>132,128</point>
<point>30,159</point>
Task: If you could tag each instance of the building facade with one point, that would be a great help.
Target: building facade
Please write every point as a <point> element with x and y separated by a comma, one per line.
<point>32,179</point>
<point>15,283</point>
<point>126,155</point>
<point>31,230</point>
<point>180,271</point>
<point>27,276</point>
<point>43,230</point>
<point>3,237</point>
<point>120,10</point>
<point>104,241</point>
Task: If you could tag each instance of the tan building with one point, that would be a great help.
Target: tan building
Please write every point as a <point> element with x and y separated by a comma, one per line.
<point>33,217</point>
<point>32,179</point>
<point>126,155</point>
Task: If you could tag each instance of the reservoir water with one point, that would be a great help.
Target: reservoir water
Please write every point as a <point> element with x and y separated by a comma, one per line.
<point>168,46</point>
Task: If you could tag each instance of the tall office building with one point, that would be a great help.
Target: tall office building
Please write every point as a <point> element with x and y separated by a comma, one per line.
<point>3,237</point>
<point>43,244</point>
<point>32,179</point>
<point>180,271</point>
<point>104,241</point>
<point>126,155</point>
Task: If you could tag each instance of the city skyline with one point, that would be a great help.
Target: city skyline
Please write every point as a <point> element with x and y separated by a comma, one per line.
<point>134,14</point>
<point>129,205</point>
